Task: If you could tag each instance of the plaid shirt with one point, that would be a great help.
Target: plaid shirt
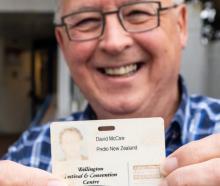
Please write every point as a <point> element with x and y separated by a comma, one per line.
<point>196,118</point>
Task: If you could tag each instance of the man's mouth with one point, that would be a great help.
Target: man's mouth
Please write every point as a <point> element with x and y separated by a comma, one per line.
<point>125,70</point>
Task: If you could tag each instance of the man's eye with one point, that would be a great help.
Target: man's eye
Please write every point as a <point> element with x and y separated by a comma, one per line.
<point>139,13</point>
<point>86,24</point>
<point>138,16</point>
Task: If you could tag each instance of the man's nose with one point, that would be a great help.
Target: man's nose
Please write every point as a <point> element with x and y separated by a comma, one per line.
<point>115,39</point>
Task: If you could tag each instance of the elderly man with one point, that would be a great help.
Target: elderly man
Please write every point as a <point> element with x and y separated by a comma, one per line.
<point>125,57</point>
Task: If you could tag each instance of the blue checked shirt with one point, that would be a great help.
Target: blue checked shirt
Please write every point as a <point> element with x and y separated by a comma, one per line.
<point>196,118</point>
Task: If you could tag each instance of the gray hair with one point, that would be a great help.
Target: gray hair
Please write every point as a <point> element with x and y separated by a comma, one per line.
<point>57,15</point>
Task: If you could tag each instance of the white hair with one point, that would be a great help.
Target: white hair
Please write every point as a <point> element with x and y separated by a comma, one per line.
<point>57,15</point>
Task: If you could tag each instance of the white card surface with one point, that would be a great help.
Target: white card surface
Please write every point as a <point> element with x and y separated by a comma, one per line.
<point>126,152</point>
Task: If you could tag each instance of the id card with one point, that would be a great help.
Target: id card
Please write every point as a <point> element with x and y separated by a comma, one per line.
<point>125,152</point>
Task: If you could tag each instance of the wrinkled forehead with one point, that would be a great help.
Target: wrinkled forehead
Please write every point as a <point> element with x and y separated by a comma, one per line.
<point>76,5</point>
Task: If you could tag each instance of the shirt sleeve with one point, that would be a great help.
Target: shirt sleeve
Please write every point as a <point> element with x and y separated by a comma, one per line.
<point>32,148</point>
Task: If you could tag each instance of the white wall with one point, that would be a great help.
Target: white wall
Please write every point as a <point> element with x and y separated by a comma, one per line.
<point>64,97</point>
<point>201,63</point>
<point>213,61</point>
<point>27,5</point>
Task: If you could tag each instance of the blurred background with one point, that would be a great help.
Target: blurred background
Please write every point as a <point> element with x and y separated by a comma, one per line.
<point>35,85</point>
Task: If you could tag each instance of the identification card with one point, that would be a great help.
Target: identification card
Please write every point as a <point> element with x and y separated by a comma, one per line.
<point>125,152</point>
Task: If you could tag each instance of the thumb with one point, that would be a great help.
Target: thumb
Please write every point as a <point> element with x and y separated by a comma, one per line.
<point>14,174</point>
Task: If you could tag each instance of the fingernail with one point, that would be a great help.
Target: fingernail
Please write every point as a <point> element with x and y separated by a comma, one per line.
<point>163,183</point>
<point>169,165</point>
<point>56,183</point>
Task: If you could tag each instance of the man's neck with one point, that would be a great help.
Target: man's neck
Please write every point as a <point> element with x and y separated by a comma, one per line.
<point>165,108</point>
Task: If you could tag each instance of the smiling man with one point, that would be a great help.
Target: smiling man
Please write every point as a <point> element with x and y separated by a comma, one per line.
<point>115,47</point>
<point>125,56</point>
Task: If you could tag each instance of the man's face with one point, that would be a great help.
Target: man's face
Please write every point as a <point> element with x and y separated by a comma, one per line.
<point>130,92</point>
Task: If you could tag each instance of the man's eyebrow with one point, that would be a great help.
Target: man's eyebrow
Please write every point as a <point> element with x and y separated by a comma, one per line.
<point>87,7</point>
<point>98,8</point>
<point>124,2</point>
<point>83,9</point>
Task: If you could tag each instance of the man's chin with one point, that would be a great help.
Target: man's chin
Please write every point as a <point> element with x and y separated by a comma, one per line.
<point>117,111</point>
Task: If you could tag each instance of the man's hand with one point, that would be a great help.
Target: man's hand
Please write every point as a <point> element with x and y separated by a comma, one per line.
<point>195,164</point>
<point>13,174</point>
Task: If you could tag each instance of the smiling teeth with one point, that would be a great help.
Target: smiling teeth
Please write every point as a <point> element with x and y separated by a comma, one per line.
<point>124,70</point>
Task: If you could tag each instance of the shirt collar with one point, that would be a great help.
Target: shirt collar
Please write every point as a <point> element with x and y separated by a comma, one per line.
<point>180,115</point>
<point>175,133</point>
<point>89,114</point>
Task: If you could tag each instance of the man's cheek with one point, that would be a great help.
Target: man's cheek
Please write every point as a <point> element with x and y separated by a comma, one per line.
<point>82,51</point>
<point>150,42</point>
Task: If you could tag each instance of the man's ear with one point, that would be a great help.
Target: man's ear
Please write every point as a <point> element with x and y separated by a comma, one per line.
<point>59,37</point>
<point>183,24</point>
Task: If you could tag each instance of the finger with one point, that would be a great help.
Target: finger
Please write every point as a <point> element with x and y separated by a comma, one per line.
<point>192,153</point>
<point>201,174</point>
<point>13,174</point>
